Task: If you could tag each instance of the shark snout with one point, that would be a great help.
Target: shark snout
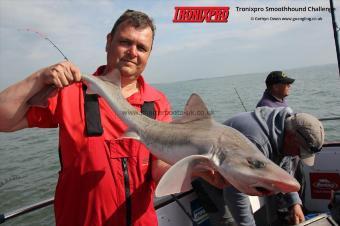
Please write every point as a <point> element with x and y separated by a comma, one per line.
<point>285,186</point>
<point>270,187</point>
<point>277,181</point>
<point>260,177</point>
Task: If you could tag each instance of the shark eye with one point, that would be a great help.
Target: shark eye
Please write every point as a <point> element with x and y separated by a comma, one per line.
<point>256,163</point>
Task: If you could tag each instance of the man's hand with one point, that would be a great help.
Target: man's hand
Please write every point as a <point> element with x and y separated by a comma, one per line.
<point>51,78</point>
<point>296,215</point>
<point>61,74</point>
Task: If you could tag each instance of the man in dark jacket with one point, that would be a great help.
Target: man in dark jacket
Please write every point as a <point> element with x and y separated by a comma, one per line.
<point>278,87</point>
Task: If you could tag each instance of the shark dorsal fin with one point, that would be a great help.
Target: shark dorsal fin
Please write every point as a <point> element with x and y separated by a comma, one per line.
<point>195,109</point>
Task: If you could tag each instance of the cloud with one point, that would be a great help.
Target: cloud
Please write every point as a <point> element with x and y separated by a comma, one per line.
<point>79,29</point>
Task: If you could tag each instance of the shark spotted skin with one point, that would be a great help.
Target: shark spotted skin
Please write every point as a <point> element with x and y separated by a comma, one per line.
<point>194,140</point>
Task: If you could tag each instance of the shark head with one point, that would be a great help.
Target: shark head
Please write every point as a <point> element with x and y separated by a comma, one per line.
<point>247,169</point>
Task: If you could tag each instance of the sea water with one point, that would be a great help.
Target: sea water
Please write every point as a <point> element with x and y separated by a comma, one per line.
<point>29,161</point>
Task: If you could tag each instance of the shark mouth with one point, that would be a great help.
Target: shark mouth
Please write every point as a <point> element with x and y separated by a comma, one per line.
<point>275,187</point>
<point>263,191</point>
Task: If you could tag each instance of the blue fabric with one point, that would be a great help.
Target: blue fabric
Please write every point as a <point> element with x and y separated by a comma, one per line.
<point>239,206</point>
<point>270,101</point>
<point>265,128</point>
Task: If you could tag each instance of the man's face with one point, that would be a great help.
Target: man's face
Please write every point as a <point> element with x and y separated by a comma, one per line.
<point>129,49</point>
<point>281,90</point>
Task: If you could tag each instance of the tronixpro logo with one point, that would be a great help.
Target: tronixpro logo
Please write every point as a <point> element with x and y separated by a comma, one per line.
<point>325,184</point>
<point>199,14</point>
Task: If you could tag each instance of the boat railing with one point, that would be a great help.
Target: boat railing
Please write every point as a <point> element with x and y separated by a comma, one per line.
<point>159,203</point>
<point>330,118</point>
<point>26,209</point>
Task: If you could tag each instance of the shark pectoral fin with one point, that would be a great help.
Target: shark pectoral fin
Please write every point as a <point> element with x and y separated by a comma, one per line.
<point>178,178</point>
<point>131,134</point>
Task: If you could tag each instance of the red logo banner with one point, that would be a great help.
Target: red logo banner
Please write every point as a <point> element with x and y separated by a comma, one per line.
<point>321,184</point>
<point>199,14</point>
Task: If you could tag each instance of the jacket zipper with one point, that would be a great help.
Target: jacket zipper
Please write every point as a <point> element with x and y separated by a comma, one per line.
<point>127,191</point>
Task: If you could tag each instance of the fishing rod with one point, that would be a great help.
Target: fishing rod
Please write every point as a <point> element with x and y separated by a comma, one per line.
<point>244,107</point>
<point>335,31</point>
<point>41,35</point>
<point>47,90</point>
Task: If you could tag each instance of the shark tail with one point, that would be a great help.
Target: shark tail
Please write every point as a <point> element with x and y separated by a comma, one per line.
<point>178,178</point>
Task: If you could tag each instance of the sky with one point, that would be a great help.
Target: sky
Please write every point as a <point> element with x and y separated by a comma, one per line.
<point>181,51</point>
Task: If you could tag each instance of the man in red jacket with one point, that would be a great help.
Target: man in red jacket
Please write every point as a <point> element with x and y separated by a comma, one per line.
<point>103,180</point>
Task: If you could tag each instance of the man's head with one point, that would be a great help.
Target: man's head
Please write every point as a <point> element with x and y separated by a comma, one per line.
<point>278,84</point>
<point>129,43</point>
<point>304,136</point>
<point>136,19</point>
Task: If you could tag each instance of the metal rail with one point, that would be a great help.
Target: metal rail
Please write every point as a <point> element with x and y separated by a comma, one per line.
<point>44,203</point>
<point>330,118</point>
<point>6,216</point>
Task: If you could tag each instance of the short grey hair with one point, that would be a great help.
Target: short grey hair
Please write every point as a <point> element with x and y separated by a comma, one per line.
<point>137,19</point>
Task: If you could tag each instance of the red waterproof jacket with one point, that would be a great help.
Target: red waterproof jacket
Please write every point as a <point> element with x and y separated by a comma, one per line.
<point>103,180</point>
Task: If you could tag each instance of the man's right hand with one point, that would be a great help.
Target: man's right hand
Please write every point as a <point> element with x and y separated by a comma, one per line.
<point>15,100</point>
<point>56,76</point>
<point>61,74</point>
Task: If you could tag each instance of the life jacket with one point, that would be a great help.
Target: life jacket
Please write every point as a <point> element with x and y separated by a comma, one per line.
<point>124,162</point>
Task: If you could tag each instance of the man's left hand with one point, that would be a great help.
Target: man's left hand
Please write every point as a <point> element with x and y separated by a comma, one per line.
<point>296,215</point>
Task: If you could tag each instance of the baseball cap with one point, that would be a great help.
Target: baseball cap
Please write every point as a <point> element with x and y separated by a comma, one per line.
<point>310,135</point>
<point>276,77</point>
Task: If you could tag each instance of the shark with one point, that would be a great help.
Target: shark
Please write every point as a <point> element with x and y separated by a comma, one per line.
<point>195,141</point>
<point>192,142</point>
